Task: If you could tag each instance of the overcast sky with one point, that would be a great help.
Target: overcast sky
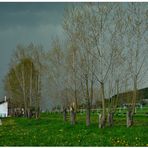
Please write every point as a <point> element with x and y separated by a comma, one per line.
<point>22,23</point>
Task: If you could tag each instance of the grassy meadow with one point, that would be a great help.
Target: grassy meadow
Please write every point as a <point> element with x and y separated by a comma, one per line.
<point>50,130</point>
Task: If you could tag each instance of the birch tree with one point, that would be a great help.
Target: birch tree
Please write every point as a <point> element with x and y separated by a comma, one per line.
<point>76,31</point>
<point>136,44</point>
<point>58,76</point>
<point>24,78</point>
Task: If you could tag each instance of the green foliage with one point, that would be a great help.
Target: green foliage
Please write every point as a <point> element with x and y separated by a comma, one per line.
<point>126,97</point>
<point>50,130</point>
<point>18,77</point>
<point>143,93</point>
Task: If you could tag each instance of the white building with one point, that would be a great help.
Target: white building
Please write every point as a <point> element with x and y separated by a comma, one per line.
<point>4,108</point>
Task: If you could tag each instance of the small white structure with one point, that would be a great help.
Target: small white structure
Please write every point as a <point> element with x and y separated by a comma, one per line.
<point>4,108</point>
<point>0,122</point>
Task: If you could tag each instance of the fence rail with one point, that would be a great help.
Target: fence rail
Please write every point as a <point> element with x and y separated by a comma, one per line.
<point>119,111</point>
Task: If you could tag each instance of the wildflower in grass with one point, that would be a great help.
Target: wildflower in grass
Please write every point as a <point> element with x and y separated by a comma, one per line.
<point>61,130</point>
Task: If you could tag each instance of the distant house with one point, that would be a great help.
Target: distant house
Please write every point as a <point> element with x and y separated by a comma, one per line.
<point>144,101</point>
<point>3,108</point>
<point>125,105</point>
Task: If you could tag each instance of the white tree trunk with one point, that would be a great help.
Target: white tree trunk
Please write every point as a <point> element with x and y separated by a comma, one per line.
<point>72,118</point>
<point>129,119</point>
<point>110,119</point>
<point>0,122</point>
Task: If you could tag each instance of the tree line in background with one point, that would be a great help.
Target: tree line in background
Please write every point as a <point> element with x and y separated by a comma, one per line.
<point>104,54</point>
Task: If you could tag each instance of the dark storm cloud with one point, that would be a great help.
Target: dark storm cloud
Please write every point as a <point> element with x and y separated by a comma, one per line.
<point>29,14</point>
<point>30,6</point>
<point>22,23</point>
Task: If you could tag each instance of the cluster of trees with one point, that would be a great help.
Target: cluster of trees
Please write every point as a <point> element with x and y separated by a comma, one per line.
<point>103,55</point>
<point>23,81</point>
<point>106,49</point>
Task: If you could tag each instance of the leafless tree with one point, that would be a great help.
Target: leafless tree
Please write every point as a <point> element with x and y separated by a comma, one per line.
<point>136,45</point>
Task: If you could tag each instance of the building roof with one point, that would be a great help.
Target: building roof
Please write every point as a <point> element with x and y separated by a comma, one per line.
<point>1,102</point>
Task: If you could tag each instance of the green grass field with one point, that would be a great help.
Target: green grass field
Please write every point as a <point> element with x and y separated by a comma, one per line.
<point>50,130</point>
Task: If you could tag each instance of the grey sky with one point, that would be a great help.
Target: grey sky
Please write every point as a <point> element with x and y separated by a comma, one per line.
<point>22,23</point>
